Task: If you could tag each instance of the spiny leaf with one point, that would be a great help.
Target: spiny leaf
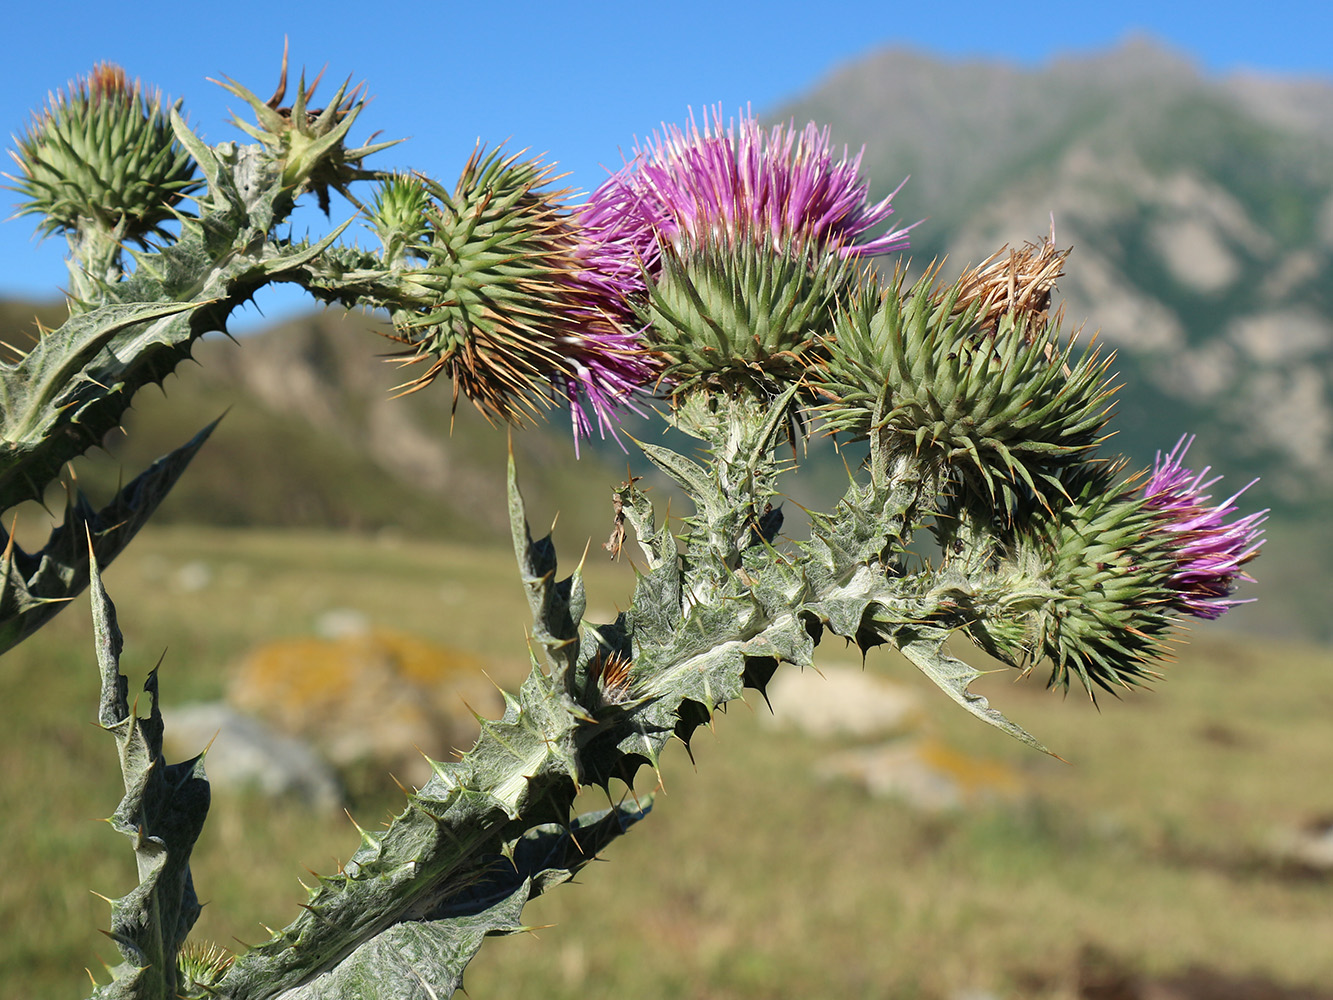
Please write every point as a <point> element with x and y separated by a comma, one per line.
<point>424,959</point>
<point>35,587</point>
<point>162,813</point>
<point>925,648</point>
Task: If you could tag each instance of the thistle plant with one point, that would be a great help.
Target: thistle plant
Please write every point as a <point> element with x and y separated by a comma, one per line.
<point>728,272</point>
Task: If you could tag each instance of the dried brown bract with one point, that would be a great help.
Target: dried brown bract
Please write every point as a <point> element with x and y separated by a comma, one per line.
<point>1019,281</point>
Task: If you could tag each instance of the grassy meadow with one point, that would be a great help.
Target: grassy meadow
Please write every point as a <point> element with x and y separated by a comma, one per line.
<point>752,878</point>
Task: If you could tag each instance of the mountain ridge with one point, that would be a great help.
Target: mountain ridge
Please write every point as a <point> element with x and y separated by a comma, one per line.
<point>1200,210</point>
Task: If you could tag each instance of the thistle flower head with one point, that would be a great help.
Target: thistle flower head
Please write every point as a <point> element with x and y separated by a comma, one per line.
<point>1084,585</point>
<point>996,396</point>
<point>1209,551</point>
<point>505,307</point>
<point>733,245</point>
<point>103,154</point>
<point>732,181</point>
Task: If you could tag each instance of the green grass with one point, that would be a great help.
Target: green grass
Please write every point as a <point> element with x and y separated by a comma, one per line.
<point>751,878</point>
<point>1150,844</point>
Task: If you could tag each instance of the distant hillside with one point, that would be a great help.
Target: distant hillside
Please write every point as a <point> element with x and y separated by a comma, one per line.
<point>1201,215</point>
<point>1200,211</point>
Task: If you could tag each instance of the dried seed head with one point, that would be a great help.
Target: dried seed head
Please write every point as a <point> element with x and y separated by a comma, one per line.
<point>1010,281</point>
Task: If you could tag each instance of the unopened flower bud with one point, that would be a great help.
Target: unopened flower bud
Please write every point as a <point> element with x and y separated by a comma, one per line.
<point>103,155</point>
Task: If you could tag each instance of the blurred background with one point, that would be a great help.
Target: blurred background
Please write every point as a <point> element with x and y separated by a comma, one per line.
<point>331,581</point>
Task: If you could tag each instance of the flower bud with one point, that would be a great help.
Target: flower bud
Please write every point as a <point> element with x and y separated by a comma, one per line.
<point>103,155</point>
<point>1004,406</point>
<point>398,216</point>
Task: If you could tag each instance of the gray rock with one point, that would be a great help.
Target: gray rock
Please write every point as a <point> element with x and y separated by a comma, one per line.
<point>246,753</point>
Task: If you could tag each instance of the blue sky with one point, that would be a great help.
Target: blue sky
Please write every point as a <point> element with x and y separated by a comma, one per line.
<point>578,81</point>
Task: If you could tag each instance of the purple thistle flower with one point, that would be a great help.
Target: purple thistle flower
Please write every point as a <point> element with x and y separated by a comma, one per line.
<point>609,364</point>
<point>610,361</point>
<point>734,182</point>
<point>1209,551</point>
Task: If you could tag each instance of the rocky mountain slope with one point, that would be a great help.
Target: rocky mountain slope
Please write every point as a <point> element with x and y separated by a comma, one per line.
<point>311,436</point>
<point>1200,211</point>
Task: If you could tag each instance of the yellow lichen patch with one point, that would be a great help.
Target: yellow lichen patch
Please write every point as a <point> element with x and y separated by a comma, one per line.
<point>378,697</point>
<point>926,773</point>
<point>977,776</point>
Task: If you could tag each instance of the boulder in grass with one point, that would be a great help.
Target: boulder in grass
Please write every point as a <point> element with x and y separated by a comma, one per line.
<point>374,698</point>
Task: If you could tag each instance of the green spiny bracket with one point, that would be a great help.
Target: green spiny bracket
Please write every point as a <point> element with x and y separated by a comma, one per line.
<point>657,544</point>
<point>742,314</point>
<point>1004,404</point>
<point>869,529</point>
<point>732,494</point>
<point>398,216</point>
<point>306,144</point>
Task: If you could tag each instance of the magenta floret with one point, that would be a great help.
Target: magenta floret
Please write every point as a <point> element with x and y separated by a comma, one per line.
<point>730,181</point>
<point>609,367</point>
<point>1210,551</point>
